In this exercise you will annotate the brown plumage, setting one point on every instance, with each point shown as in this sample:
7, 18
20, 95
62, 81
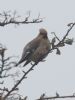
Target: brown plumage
37, 49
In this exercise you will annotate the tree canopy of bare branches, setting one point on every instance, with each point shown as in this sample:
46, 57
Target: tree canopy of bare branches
6, 64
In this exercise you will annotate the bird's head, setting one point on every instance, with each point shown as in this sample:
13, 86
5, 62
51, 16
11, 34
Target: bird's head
43, 32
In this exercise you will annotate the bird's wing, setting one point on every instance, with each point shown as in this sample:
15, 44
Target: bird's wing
42, 51
29, 49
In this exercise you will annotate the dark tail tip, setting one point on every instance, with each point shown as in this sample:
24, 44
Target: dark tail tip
16, 64
27, 62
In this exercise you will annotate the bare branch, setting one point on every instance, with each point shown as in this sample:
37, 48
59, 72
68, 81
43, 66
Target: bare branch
22, 78
55, 36
8, 18
70, 28
5, 63
63, 41
56, 97
4, 89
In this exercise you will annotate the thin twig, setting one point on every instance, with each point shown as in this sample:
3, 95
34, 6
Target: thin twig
23, 77
57, 97
73, 24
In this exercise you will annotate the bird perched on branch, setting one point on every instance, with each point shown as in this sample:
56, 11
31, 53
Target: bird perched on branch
37, 49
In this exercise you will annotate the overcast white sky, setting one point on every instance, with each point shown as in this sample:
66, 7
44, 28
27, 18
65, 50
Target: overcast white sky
58, 72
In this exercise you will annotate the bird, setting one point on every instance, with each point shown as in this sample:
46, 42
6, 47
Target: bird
37, 49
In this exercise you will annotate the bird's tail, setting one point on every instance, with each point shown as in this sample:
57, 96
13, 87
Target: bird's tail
27, 62
16, 64
19, 62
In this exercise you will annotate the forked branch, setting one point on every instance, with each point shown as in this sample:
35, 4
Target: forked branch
60, 43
